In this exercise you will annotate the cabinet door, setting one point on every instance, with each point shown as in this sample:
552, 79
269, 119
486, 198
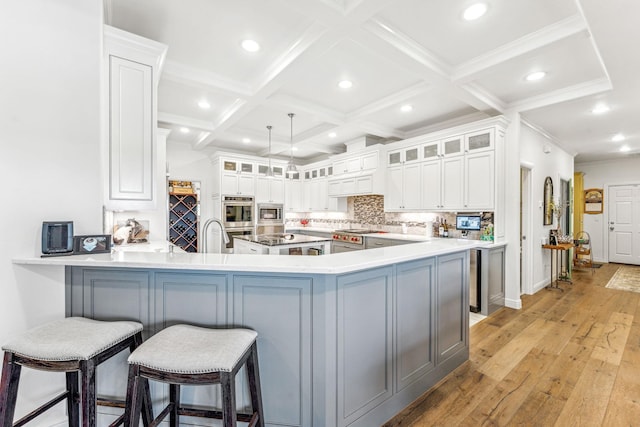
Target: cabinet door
354, 164
431, 150
131, 154
365, 366
414, 292
293, 195
313, 190
277, 190
394, 158
479, 141
452, 305
262, 193
246, 185
335, 188
348, 186
340, 167
411, 184
480, 180
364, 185
453, 182
323, 195
453, 146
279, 308
229, 183
412, 154
393, 197
369, 161
431, 184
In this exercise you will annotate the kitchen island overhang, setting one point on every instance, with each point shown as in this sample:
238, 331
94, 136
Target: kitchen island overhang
344, 339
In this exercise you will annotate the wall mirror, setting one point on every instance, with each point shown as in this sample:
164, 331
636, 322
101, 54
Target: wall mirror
547, 218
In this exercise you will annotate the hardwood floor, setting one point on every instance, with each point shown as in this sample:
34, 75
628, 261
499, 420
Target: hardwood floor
567, 358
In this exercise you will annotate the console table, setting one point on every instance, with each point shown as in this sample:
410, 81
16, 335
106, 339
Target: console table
558, 249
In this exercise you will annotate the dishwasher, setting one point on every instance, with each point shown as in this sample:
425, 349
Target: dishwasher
474, 280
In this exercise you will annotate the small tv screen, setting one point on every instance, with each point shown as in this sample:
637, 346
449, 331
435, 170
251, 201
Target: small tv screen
468, 222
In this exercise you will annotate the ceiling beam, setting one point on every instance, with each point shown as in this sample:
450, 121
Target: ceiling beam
568, 93
545, 36
189, 122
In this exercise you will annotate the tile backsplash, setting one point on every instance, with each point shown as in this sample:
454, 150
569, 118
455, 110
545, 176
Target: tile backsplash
368, 212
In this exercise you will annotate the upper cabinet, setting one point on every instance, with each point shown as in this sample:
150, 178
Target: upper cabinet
237, 177
454, 172
132, 66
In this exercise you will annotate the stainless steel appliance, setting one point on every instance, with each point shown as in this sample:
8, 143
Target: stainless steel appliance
270, 218
238, 211
234, 232
349, 240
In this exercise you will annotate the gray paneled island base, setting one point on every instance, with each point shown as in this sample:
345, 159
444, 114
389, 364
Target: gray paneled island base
348, 345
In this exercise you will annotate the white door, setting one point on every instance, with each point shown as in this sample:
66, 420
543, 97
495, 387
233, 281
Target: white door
624, 224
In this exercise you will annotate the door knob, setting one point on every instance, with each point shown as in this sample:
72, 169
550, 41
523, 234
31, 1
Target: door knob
610, 228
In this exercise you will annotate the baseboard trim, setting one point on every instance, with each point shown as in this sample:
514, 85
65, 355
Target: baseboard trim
513, 303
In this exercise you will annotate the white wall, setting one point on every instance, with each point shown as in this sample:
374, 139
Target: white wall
50, 130
557, 164
599, 175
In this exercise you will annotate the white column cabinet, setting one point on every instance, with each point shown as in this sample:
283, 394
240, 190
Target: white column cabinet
237, 178
293, 195
431, 185
132, 68
403, 180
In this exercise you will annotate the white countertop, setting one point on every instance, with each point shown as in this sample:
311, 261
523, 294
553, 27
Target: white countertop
324, 264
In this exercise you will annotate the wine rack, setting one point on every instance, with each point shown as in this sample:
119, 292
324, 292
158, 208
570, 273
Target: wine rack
183, 221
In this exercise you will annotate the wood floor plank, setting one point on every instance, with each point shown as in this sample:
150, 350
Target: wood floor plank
612, 343
515, 350
589, 399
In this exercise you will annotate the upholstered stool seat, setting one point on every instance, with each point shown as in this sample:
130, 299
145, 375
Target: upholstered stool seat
189, 355
70, 345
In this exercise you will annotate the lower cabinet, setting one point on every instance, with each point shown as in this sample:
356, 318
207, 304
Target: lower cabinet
492, 270
452, 305
334, 350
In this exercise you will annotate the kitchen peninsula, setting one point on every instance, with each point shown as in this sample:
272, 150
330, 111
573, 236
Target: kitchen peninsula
345, 339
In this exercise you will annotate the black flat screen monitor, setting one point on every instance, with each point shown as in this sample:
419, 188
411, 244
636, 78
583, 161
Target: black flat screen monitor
468, 222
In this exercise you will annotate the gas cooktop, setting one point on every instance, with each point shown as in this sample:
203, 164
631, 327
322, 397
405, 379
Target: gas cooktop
356, 231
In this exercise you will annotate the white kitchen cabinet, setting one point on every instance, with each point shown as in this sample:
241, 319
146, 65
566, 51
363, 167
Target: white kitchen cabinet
293, 201
482, 140
453, 182
403, 188
479, 181
132, 68
237, 178
431, 185
363, 162
269, 190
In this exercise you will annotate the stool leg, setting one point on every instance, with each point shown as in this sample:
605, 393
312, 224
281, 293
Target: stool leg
254, 384
147, 409
73, 409
134, 402
228, 385
174, 400
88, 394
8, 389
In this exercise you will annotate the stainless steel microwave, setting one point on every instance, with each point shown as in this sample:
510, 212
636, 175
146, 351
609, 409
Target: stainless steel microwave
270, 213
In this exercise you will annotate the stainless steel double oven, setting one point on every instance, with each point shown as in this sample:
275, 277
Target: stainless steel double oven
238, 216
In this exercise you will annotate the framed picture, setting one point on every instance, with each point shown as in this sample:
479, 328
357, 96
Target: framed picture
593, 200
547, 215
92, 244
553, 237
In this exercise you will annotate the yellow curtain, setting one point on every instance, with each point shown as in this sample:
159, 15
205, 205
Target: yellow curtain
578, 202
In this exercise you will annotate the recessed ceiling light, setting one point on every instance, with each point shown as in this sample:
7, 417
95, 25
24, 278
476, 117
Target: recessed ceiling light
332, 135
204, 105
475, 11
345, 84
537, 75
294, 149
600, 108
246, 140
406, 108
625, 148
618, 137
184, 130
250, 45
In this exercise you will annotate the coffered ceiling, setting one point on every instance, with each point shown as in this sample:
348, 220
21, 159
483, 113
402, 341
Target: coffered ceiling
420, 53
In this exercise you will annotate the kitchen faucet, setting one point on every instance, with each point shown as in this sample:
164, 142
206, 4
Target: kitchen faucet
205, 228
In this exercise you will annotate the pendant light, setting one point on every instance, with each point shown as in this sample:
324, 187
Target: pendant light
291, 167
270, 170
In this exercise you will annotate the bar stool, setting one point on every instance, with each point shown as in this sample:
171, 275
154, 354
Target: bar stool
191, 355
72, 345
